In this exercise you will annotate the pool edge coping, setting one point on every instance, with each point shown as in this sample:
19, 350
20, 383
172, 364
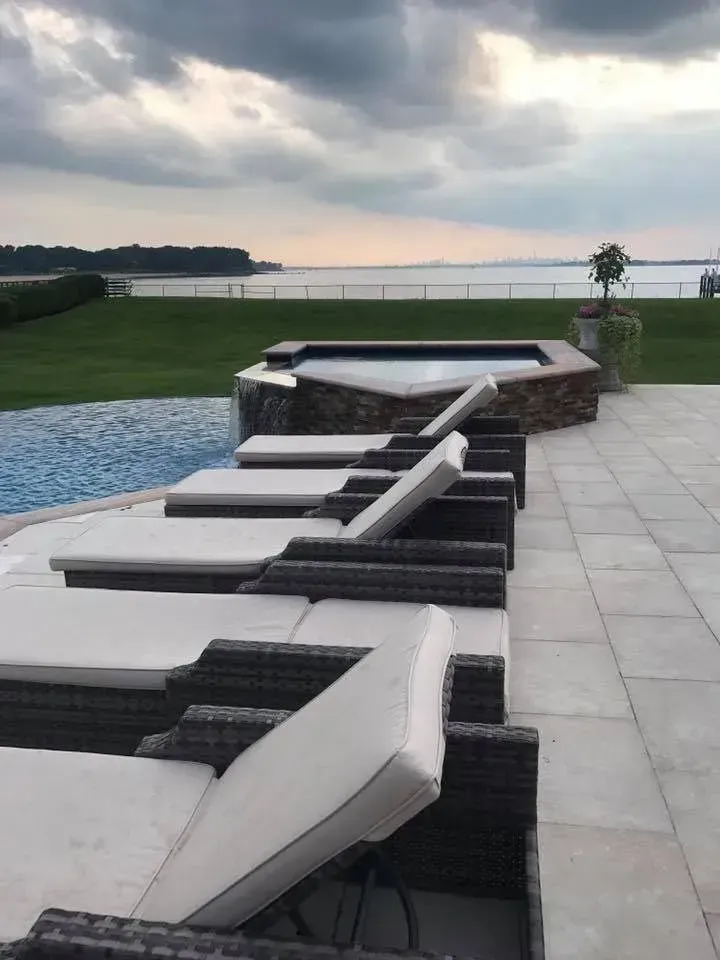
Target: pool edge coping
16, 521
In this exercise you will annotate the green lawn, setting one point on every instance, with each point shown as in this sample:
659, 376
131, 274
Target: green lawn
130, 348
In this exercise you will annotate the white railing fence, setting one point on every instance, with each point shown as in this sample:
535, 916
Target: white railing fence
400, 291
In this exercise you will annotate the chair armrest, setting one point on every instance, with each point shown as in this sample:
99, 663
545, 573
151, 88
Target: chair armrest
469, 519
490, 777
62, 935
284, 677
212, 735
399, 582
472, 424
414, 552
397, 460
465, 487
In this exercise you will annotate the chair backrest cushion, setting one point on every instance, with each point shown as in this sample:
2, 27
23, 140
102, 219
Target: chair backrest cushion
480, 394
429, 478
353, 765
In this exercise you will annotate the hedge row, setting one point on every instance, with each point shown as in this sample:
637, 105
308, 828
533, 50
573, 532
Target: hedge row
30, 301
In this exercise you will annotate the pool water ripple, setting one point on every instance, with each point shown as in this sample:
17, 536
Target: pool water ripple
56, 455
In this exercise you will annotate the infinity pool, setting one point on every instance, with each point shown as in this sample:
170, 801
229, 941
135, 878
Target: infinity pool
56, 455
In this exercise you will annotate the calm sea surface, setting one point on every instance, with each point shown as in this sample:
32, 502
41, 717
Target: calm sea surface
430, 282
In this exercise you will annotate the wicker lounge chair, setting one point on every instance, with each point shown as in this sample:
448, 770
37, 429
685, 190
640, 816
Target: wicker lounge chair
340, 449
97, 835
290, 493
215, 555
98, 670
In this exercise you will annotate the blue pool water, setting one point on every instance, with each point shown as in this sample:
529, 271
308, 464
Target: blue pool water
409, 368
56, 455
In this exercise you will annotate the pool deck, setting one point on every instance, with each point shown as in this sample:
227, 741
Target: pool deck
615, 616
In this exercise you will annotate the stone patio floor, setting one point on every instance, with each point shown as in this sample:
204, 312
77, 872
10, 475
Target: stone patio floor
615, 618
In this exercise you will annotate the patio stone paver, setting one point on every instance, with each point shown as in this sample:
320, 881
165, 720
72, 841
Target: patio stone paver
608, 551
548, 505
694, 804
581, 473
707, 493
619, 520
664, 648
618, 895
680, 722
596, 773
548, 568
663, 482
592, 494
658, 507
541, 481
546, 613
699, 573
691, 536
652, 593
647, 464
543, 533
566, 679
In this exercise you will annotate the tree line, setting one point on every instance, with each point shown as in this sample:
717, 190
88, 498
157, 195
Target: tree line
36, 259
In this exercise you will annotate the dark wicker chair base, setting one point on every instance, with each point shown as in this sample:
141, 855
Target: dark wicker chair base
46, 716
53, 716
154, 582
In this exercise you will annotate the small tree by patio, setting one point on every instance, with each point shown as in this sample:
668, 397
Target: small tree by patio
607, 331
608, 266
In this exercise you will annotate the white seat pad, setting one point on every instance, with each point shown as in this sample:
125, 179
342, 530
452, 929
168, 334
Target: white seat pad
127, 639
361, 623
292, 488
186, 544
322, 446
79, 831
354, 764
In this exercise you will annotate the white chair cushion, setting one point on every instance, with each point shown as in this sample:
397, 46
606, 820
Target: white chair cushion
480, 394
482, 631
186, 544
354, 764
127, 639
81, 831
429, 478
291, 488
274, 448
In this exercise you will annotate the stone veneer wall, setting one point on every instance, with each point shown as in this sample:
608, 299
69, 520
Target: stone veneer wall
547, 402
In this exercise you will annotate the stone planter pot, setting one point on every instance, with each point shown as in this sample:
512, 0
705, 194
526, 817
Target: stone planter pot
610, 380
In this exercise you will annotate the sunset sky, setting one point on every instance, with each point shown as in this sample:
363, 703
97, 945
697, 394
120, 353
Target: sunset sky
362, 131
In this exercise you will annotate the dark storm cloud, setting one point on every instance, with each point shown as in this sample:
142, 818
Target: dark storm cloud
29, 95
358, 49
331, 47
395, 97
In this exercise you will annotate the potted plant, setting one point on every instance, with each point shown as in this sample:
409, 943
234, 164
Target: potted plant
607, 331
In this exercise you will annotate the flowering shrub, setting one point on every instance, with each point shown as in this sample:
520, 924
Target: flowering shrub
619, 333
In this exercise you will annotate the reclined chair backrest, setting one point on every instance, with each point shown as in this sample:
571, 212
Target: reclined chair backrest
349, 768
429, 478
480, 394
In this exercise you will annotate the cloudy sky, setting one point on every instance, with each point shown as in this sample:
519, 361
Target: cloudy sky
362, 131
